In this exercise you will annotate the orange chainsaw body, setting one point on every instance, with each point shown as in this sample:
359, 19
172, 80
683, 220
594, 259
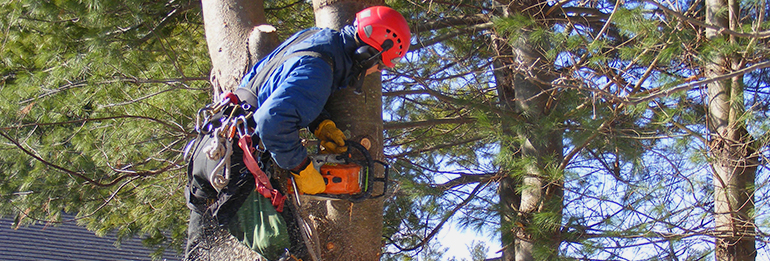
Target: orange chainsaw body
341, 178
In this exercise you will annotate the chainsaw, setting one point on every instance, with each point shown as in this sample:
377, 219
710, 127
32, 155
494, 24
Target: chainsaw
347, 178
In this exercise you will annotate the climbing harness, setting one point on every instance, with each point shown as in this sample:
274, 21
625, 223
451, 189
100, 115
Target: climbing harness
224, 123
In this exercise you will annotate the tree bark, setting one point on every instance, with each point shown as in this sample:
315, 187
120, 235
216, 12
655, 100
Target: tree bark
352, 231
539, 193
733, 162
237, 36
522, 196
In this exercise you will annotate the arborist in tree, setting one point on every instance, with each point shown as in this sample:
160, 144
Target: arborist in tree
283, 93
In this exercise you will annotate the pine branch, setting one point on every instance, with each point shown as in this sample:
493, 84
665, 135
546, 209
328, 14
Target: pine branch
138, 99
570, 155
81, 175
690, 85
471, 29
443, 221
78, 84
760, 35
465, 179
451, 22
428, 123
166, 19
168, 125
451, 100
442, 146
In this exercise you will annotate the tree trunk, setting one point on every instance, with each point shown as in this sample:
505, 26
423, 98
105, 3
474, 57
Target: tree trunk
539, 194
237, 37
350, 231
733, 162
523, 196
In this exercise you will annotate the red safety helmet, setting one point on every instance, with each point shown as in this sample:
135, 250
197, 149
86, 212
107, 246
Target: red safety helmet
378, 24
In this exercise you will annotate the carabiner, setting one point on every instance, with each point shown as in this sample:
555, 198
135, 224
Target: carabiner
243, 130
222, 130
198, 118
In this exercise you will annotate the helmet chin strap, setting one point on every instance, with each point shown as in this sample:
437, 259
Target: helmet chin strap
362, 65
358, 80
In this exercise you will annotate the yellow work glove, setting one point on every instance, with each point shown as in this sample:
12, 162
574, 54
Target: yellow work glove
309, 181
332, 139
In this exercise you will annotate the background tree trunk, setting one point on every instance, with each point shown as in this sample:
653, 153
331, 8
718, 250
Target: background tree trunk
533, 191
733, 160
539, 192
352, 231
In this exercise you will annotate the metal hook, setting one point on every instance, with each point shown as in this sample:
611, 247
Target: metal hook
198, 118
221, 131
243, 130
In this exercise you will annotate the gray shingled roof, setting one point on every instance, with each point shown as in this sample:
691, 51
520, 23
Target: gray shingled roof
68, 241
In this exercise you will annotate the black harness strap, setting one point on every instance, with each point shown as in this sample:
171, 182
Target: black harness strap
249, 94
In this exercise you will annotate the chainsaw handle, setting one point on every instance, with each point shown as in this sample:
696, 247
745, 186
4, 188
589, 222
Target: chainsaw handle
385, 179
370, 174
367, 192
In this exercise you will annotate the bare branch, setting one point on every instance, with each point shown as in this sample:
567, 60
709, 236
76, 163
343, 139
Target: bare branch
170, 126
432, 122
442, 146
446, 217
760, 35
450, 22
422, 44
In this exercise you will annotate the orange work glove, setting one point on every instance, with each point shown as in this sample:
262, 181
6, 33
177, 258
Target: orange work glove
308, 180
332, 139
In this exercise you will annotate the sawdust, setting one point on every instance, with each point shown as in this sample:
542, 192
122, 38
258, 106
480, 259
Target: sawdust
220, 245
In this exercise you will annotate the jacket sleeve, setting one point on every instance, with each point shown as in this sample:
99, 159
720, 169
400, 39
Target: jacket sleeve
297, 98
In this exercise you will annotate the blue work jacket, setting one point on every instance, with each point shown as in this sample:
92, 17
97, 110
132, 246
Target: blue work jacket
295, 93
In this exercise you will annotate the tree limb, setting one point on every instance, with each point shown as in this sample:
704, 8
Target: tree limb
452, 100
682, 87
82, 175
442, 146
78, 84
450, 22
422, 44
465, 179
432, 122
760, 35
446, 217
170, 126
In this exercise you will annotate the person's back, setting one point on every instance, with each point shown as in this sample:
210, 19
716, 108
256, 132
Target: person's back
295, 91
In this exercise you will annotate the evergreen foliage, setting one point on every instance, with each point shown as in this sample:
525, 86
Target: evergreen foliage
635, 170
99, 99
93, 122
